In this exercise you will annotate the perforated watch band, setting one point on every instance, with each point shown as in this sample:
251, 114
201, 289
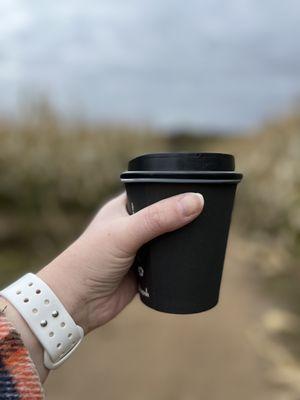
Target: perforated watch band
47, 318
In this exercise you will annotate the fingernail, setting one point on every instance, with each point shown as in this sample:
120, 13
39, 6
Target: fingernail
191, 203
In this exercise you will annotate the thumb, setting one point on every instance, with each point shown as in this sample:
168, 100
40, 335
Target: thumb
161, 217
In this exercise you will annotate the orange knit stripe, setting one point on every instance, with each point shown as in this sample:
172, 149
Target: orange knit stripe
18, 362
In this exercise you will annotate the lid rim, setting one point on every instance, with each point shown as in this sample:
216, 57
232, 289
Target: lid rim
180, 153
185, 161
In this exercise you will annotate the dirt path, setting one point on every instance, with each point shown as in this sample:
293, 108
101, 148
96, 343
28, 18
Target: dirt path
146, 355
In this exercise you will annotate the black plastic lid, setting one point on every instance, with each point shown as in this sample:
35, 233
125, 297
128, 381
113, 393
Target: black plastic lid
182, 162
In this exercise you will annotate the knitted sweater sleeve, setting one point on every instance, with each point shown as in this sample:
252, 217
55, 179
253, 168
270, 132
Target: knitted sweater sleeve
19, 378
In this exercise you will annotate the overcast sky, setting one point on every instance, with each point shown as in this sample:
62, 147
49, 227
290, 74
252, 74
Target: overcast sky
213, 64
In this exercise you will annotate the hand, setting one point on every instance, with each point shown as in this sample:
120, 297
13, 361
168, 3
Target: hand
92, 277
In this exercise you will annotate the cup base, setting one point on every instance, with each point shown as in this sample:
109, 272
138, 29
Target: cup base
178, 310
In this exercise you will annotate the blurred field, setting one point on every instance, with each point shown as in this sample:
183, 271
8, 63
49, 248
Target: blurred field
54, 175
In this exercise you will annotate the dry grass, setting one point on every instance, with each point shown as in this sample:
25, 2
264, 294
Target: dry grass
53, 175
268, 214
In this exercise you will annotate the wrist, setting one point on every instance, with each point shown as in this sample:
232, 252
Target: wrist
89, 312
46, 316
63, 287
67, 276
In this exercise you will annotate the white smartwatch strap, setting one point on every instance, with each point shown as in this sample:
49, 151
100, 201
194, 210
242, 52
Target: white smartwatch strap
47, 318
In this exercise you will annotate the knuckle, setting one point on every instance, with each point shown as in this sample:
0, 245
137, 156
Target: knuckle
154, 219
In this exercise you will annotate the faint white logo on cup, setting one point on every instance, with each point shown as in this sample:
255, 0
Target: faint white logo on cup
132, 207
144, 292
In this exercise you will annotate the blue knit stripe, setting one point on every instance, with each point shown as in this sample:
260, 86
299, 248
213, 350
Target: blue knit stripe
8, 390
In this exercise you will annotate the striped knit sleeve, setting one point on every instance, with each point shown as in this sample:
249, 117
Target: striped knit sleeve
19, 378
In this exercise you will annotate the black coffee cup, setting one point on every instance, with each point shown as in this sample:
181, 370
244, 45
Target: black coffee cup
180, 272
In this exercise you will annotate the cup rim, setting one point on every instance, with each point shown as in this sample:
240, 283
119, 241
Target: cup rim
170, 180
182, 172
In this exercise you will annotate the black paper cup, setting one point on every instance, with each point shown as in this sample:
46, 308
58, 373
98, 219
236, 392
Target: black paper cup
180, 272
